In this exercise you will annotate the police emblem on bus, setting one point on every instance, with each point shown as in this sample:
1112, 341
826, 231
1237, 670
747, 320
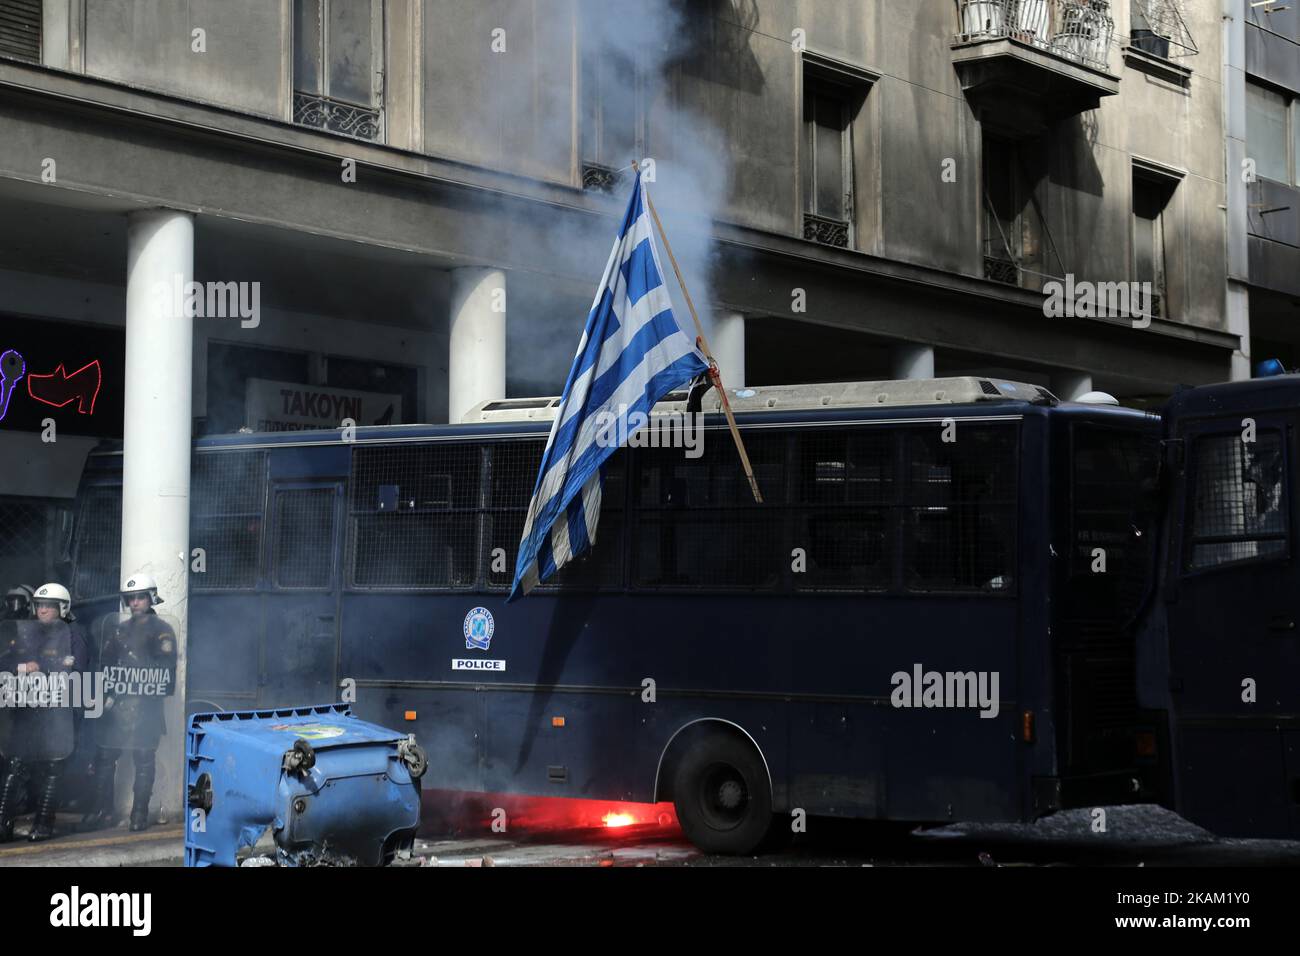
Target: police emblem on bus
478, 629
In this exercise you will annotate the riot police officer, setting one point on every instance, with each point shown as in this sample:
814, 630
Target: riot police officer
18, 604
139, 661
40, 735
17, 607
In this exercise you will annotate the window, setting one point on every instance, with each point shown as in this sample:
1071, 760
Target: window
1014, 231
304, 538
338, 65
960, 509
613, 123
227, 495
1267, 139
847, 495
1239, 500
98, 560
1112, 507
1151, 195
697, 524
20, 30
827, 165
512, 473
415, 516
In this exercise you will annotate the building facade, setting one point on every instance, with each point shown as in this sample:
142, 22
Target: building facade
240, 213
1262, 92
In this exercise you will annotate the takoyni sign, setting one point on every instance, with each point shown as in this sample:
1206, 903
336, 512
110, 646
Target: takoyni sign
286, 406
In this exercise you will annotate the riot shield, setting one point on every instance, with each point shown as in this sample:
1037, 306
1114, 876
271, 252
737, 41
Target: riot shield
36, 716
138, 661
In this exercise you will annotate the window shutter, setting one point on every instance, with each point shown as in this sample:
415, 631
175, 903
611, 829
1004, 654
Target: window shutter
20, 29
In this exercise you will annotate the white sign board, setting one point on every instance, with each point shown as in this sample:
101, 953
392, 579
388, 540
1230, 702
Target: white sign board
289, 407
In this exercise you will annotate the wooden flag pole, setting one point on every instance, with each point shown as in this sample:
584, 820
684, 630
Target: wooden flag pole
715, 376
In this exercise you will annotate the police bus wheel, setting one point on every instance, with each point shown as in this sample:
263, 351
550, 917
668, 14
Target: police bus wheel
722, 795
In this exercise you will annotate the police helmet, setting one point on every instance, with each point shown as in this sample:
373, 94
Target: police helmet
18, 601
141, 583
52, 593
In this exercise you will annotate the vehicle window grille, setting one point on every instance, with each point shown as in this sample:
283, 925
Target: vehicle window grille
1238, 508
304, 538
227, 497
960, 523
846, 497
697, 524
414, 516
1113, 519
98, 560
512, 471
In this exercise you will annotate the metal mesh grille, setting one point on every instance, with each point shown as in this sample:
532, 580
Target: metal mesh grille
24, 541
848, 536
1110, 469
304, 538
698, 524
227, 497
98, 561
512, 473
960, 531
414, 516
1238, 510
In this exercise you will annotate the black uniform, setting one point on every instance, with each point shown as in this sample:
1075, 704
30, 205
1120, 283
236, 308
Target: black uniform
41, 734
138, 659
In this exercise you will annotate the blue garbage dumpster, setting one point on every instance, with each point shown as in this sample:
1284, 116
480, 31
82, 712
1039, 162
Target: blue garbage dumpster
334, 789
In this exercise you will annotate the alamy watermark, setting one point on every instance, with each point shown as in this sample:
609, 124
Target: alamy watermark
946, 689
636, 429
210, 300
1099, 300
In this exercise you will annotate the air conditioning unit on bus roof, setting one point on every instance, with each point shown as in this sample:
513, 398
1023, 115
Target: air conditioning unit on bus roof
904, 392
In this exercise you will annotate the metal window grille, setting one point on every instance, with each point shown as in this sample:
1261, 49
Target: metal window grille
415, 516
227, 499
697, 525
960, 509
25, 533
20, 29
846, 490
1238, 511
97, 568
304, 538
1110, 469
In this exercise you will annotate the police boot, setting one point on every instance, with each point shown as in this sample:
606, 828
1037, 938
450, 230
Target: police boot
43, 824
144, 771
101, 815
9, 793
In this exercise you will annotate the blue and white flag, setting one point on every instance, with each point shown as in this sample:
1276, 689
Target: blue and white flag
632, 354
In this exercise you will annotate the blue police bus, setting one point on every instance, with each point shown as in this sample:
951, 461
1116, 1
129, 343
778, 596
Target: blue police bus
936, 614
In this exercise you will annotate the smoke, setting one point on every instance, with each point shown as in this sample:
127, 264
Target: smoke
632, 56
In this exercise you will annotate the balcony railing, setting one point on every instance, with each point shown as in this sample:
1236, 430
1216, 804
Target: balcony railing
1076, 30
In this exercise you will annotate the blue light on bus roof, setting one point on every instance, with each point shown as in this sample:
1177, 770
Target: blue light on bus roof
1269, 367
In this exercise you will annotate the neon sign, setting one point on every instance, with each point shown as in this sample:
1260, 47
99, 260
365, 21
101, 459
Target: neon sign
12, 368
57, 389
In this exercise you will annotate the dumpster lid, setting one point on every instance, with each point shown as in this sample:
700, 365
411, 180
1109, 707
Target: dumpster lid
330, 725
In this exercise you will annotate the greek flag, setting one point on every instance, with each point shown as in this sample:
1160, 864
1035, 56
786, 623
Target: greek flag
632, 354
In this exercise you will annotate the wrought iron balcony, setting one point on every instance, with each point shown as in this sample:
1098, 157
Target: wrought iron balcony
1050, 55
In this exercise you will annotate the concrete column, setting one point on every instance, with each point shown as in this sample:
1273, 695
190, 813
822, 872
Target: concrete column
476, 365
156, 449
1069, 385
728, 343
912, 361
